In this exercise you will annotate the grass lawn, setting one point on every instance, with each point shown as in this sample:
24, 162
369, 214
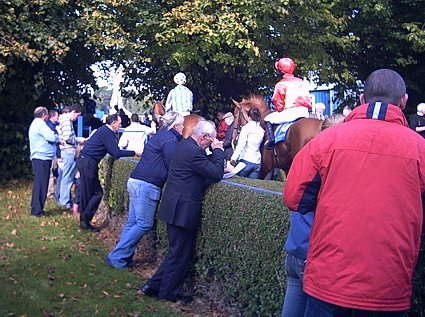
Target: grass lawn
48, 267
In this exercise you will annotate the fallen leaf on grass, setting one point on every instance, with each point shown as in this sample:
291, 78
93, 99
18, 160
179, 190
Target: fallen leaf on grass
13, 280
51, 280
76, 298
105, 294
14, 232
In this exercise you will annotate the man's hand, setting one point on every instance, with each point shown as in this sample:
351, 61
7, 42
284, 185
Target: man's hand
138, 153
233, 163
216, 144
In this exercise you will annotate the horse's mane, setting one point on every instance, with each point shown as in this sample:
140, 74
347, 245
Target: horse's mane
255, 100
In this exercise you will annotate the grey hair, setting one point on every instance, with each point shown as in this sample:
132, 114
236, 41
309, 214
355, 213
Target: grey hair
204, 127
40, 111
171, 119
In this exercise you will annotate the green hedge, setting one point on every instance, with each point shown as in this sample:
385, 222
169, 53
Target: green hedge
240, 245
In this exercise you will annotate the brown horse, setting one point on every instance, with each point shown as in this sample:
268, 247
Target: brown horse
157, 111
190, 121
283, 153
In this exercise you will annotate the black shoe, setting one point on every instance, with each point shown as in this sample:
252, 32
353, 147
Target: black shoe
87, 226
39, 215
149, 291
132, 264
185, 299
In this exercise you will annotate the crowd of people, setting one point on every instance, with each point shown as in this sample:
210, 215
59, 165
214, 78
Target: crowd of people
354, 191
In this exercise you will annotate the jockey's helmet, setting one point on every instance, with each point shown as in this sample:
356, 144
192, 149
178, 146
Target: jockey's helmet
180, 78
285, 65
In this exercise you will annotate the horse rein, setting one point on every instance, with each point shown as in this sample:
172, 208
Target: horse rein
238, 127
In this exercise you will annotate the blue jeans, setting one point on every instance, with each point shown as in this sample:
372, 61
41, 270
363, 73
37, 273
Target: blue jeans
68, 176
251, 170
58, 184
295, 299
144, 198
318, 308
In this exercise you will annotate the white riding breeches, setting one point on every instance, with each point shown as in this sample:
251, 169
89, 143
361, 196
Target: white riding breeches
287, 115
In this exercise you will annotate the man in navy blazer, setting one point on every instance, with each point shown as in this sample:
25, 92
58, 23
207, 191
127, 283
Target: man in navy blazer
191, 172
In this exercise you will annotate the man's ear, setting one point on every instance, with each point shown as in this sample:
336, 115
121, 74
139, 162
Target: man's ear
362, 99
403, 101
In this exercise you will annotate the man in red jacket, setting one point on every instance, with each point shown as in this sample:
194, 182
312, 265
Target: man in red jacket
364, 179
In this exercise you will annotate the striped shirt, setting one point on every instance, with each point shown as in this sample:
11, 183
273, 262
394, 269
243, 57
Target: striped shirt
67, 133
180, 99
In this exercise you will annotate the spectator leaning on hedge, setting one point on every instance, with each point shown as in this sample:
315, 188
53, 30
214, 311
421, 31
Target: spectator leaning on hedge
103, 141
43, 143
191, 171
144, 188
364, 179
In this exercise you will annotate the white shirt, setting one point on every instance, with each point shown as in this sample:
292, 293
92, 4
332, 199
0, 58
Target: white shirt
135, 136
250, 139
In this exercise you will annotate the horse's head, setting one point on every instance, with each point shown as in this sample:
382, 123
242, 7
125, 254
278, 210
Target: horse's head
158, 110
242, 108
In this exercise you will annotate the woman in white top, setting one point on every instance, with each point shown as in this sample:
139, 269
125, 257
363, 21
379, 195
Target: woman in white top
248, 148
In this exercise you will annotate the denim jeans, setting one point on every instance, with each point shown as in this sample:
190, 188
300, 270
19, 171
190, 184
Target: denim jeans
58, 184
295, 299
68, 176
251, 170
318, 308
144, 198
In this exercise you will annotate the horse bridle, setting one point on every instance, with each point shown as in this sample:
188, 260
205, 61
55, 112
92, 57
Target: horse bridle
238, 126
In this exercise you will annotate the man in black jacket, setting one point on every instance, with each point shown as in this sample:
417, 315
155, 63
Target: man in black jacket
102, 142
190, 173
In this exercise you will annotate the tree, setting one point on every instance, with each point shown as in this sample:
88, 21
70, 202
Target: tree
226, 48
46, 50
386, 34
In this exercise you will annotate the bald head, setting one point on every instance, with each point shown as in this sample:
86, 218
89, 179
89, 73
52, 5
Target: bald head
385, 85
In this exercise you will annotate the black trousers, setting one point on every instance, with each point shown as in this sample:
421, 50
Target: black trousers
41, 169
169, 278
91, 191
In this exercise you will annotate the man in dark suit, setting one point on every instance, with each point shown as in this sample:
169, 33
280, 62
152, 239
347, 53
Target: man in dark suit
190, 173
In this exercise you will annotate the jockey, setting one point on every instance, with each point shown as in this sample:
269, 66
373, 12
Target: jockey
180, 98
291, 99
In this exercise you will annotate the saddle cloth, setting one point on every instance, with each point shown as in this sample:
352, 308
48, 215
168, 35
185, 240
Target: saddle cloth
281, 130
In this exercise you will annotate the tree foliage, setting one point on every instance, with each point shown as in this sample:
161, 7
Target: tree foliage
226, 48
